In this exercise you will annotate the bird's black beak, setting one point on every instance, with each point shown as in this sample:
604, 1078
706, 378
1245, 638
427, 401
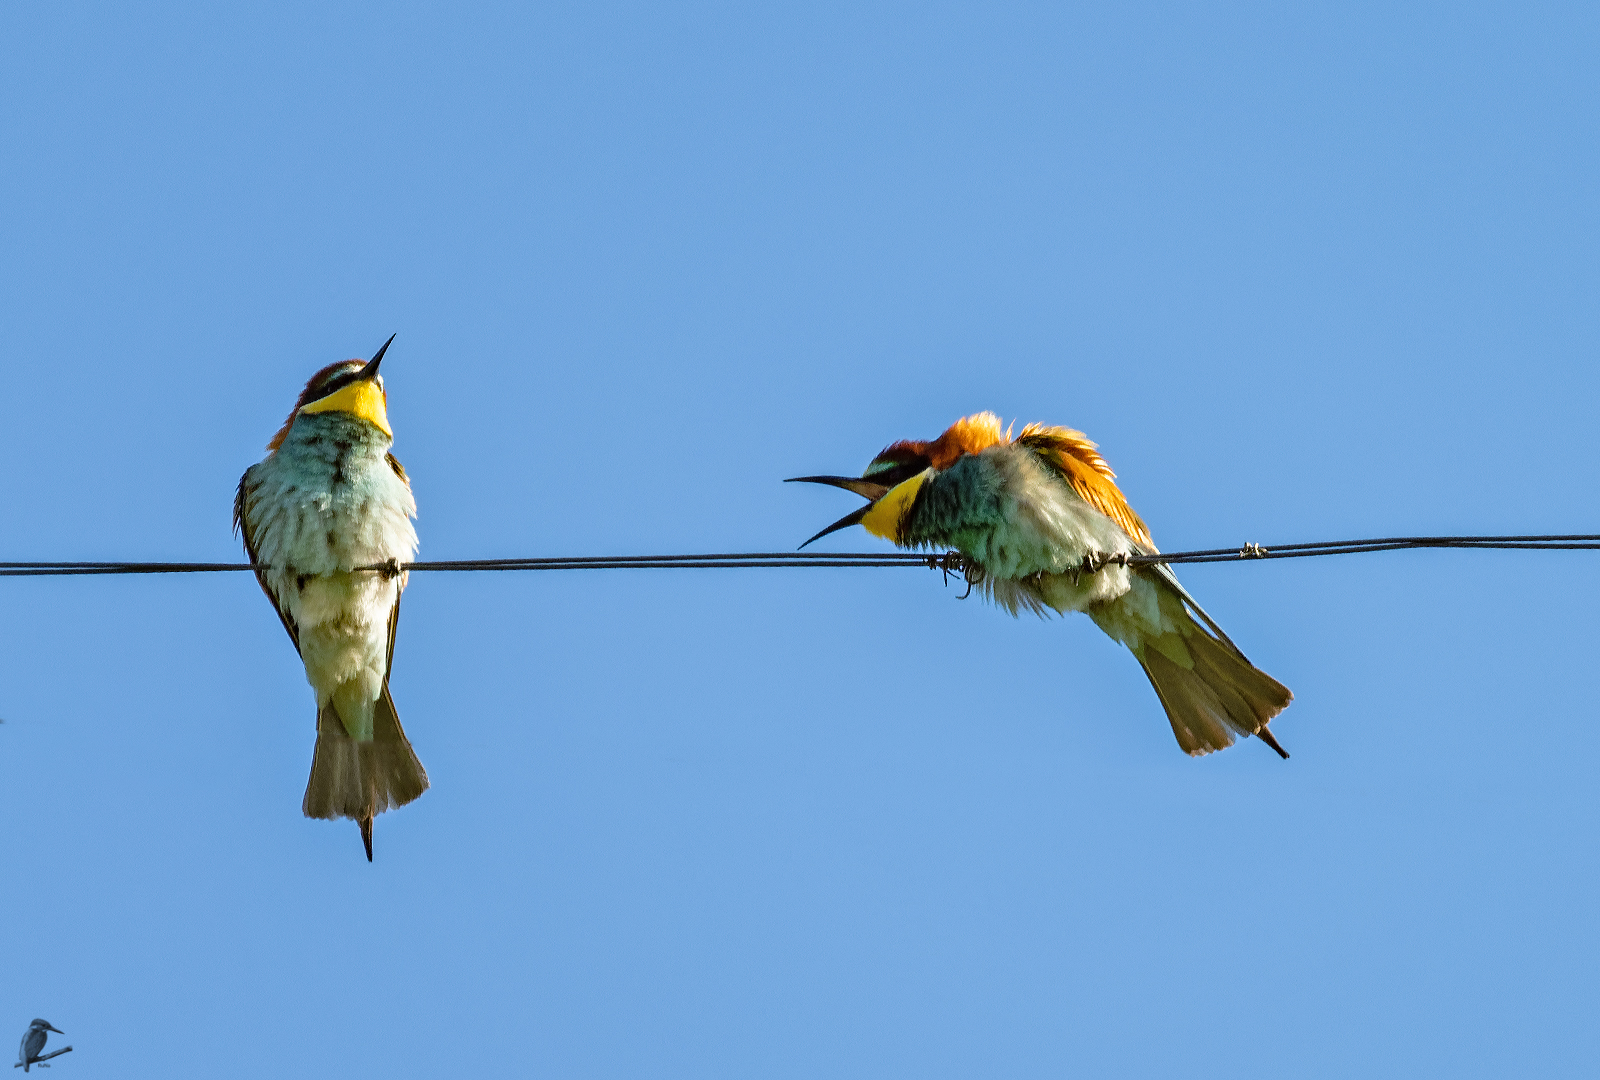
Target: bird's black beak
371, 370
865, 488
55, 1029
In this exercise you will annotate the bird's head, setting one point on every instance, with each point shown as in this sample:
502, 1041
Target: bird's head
892, 480
350, 386
45, 1025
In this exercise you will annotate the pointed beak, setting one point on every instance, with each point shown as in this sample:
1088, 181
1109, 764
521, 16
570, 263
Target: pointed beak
55, 1029
843, 523
371, 370
865, 488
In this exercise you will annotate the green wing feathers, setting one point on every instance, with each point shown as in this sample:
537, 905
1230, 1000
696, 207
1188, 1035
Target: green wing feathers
1212, 694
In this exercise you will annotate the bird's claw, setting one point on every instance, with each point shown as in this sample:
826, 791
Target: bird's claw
1096, 561
949, 563
953, 562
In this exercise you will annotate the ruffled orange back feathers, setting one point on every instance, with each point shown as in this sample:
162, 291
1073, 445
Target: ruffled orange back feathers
1070, 453
1075, 457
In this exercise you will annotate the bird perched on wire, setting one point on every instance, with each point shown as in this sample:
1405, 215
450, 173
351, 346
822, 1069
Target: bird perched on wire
328, 501
33, 1041
1040, 525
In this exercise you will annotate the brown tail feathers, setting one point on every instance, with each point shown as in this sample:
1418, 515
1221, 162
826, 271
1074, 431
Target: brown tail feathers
1217, 694
360, 780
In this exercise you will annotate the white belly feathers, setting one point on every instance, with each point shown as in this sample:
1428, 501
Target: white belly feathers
325, 503
1032, 553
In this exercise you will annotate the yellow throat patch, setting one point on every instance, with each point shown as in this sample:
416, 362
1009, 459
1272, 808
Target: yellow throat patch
362, 398
885, 516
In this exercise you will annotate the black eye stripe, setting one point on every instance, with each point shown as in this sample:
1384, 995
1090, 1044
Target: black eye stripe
890, 473
332, 386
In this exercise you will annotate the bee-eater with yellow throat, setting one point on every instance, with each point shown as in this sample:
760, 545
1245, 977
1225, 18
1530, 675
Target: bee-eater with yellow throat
1035, 519
328, 500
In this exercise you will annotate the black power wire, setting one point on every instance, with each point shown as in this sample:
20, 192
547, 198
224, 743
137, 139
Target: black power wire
949, 562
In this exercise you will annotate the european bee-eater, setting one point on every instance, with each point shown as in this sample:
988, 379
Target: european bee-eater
327, 500
1035, 519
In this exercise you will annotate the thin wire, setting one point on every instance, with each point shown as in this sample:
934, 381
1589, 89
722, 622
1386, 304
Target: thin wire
602, 562
1570, 542
948, 562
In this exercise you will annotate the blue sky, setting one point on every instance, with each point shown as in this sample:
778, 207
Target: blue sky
1304, 274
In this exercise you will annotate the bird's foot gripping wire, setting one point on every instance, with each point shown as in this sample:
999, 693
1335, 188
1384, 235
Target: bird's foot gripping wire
389, 570
1095, 561
1253, 551
953, 562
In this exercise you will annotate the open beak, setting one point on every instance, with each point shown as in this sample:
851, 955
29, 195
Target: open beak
371, 370
865, 488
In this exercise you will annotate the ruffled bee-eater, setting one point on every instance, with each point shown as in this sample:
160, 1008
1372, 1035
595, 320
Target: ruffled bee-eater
328, 501
1039, 522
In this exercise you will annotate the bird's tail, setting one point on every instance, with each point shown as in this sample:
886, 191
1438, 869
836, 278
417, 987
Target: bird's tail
1210, 691
361, 779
